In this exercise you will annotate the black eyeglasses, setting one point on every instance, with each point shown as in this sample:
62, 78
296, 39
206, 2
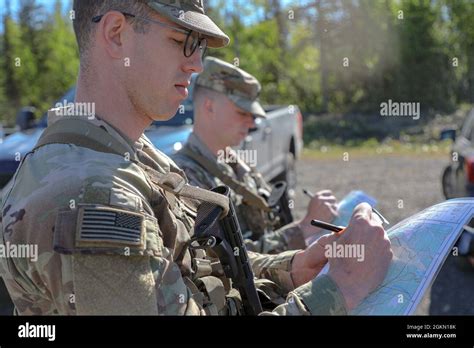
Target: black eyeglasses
192, 42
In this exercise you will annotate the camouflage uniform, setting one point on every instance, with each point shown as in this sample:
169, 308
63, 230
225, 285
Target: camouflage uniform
289, 237
113, 229
243, 89
45, 204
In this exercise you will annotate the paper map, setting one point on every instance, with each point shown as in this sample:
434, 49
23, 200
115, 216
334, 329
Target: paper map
420, 246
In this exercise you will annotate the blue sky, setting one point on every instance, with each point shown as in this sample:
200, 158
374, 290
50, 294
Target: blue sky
67, 4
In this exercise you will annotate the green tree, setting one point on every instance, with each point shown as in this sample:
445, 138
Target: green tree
39, 58
19, 67
461, 13
425, 72
58, 57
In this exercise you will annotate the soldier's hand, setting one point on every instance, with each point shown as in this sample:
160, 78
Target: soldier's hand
323, 206
357, 275
309, 262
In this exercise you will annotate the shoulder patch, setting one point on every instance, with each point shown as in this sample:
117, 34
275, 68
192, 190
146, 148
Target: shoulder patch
103, 229
106, 226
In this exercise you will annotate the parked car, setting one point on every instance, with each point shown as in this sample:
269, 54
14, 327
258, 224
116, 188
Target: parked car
458, 176
458, 181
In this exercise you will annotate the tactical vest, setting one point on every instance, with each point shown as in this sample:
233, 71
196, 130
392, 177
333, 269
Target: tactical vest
254, 212
175, 199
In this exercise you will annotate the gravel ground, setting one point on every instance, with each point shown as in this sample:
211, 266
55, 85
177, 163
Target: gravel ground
415, 181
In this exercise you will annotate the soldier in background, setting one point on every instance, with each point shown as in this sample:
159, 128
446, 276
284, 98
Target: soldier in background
112, 217
225, 107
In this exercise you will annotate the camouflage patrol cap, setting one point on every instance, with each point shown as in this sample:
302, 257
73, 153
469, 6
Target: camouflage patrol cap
190, 14
239, 86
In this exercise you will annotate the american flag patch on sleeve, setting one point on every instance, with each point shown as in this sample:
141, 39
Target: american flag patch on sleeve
99, 225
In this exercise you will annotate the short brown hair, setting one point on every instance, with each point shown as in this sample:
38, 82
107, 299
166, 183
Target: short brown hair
85, 10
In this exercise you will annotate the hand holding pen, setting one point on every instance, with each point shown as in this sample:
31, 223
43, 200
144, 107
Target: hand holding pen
334, 228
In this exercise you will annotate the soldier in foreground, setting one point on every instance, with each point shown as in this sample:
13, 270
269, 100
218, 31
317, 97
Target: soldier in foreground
225, 106
112, 216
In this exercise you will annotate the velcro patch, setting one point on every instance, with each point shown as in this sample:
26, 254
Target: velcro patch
105, 226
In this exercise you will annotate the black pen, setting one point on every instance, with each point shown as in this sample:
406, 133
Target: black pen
326, 226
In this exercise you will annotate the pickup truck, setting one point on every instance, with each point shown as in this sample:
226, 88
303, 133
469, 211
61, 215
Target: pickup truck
278, 140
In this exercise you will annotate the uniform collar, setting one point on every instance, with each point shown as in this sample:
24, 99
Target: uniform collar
196, 144
142, 144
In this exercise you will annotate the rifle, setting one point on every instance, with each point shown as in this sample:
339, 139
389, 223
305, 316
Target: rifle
223, 235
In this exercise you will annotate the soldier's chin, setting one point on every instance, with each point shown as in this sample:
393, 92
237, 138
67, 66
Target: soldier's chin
164, 117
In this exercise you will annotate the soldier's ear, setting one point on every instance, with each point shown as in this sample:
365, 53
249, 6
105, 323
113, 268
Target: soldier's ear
111, 32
